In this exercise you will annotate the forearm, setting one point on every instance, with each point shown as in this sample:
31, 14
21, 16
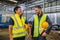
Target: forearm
29, 28
10, 31
50, 25
48, 29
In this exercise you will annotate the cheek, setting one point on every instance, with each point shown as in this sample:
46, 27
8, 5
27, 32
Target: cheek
19, 11
35, 11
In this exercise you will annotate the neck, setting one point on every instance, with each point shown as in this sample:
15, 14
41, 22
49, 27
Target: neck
39, 14
18, 13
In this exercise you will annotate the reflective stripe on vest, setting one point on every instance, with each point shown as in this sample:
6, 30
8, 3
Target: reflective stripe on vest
37, 25
18, 27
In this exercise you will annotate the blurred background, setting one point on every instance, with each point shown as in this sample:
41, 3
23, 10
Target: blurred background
50, 7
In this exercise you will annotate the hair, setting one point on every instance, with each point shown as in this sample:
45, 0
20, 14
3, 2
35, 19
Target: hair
38, 7
16, 8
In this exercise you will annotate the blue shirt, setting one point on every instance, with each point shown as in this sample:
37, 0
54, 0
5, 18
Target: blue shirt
11, 21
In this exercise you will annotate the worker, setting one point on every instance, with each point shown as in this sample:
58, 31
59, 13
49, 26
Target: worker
17, 22
37, 31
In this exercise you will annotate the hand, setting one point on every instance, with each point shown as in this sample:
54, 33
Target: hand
29, 35
29, 25
11, 38
44, 34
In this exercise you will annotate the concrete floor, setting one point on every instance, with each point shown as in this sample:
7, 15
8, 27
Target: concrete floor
52, 36
4, 34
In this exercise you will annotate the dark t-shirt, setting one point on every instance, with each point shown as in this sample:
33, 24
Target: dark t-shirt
11, 21
31, 21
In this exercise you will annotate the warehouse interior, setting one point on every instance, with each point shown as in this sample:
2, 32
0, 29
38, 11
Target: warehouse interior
50, 7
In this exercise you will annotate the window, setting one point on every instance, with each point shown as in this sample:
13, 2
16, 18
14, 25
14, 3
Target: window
50, 4
54, 3
52, 17
45, 0
58, 2
41, 6
46, 5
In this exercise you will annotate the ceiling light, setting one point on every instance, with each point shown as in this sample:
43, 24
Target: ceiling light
14, 1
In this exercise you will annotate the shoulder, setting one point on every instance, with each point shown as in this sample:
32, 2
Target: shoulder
12, 16
34, 15
10, 19
32, 18
24, 17
45, 14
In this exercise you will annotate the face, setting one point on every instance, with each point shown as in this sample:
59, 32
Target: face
19, 11
37, 10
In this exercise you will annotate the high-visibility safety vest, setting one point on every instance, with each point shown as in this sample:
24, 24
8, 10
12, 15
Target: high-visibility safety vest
37, 25
18, 29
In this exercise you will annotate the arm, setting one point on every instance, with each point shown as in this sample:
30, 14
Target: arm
11, 23
49, 28
27, 26
10, 32
29, 29
30, 23
50, 25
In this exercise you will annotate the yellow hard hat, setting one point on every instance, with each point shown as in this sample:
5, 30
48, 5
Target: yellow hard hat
26, 26
45, 24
